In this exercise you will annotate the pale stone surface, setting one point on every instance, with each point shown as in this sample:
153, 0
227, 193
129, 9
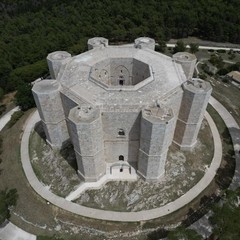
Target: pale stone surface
121, 103
188, 61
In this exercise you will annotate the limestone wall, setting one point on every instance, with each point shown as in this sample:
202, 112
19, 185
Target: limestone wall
56, 60
47, 98
193, 105
157, 127
85, 127
121, 133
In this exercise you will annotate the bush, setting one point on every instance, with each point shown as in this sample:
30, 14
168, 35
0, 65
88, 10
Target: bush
7, 199
221, 51
24, 98
14, 118
202, 76
2, 109
27, 73
1, 93
48, 238
223, 71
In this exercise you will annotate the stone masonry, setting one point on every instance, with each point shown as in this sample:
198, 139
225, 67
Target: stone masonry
121, 106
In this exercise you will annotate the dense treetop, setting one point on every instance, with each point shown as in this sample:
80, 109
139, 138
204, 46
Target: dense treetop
30, 29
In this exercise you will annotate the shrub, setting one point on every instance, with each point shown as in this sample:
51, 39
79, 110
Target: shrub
2, 109
14, 118
7, 199
202, 76
1, 93
221, 51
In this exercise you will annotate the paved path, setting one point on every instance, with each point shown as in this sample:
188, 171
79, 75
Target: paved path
5, 118
112, 215
207, 47
12, 232
234, 131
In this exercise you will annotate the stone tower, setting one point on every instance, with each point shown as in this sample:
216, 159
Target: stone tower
188, 62
194, 102
47, 98
85, 128
157, 128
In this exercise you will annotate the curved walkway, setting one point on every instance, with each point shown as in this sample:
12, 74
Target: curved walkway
203, 226
6, 117
234, 131
12, 232
112, 215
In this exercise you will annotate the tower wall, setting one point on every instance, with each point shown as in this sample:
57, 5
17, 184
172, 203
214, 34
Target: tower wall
97, 42
85, 127
144, 42
47, 98
194, 103
157, 128
188, 62
55, 60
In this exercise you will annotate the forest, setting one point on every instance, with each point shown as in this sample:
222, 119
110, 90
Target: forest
30, 29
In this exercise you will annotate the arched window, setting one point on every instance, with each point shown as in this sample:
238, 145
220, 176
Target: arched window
121, 82
121, 132
121, 158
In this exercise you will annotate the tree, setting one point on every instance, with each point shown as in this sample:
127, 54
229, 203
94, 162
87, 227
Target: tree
161, 46
193, 47
226, 216
179, 47
7, 200
1, 93
24, 98
183, 234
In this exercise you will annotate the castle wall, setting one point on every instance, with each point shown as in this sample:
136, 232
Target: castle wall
121, 69
116, 145
140, 72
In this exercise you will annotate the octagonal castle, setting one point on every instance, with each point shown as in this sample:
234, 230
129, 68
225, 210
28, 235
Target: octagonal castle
121, 106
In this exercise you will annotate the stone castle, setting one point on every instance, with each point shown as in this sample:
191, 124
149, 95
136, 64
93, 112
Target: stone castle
121, 106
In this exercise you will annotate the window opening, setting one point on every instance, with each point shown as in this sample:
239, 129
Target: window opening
121, 158
121, 132
121, 82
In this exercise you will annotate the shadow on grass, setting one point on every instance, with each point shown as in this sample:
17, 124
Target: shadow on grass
67, 152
